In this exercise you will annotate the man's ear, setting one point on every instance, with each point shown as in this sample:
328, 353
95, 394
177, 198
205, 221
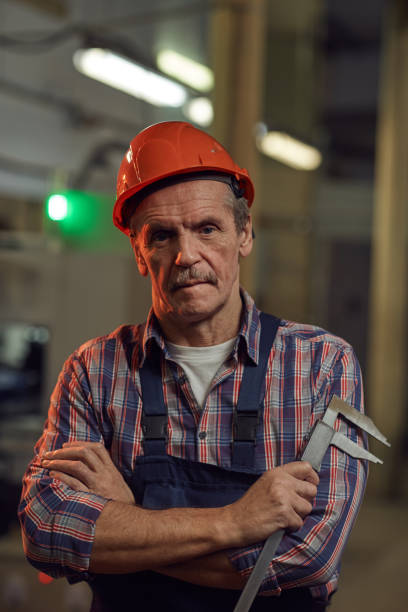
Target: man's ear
246, 239
141, 264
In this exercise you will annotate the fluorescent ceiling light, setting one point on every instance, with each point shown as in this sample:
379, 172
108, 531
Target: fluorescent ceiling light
124, 74
185, 70
200, 111
288, 150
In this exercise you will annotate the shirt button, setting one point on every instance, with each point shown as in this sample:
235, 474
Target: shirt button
202, 435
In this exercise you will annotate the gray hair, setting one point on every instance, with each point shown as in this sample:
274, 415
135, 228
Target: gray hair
240, 210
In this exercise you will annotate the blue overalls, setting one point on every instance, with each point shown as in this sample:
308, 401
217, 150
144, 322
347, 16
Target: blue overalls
160, 481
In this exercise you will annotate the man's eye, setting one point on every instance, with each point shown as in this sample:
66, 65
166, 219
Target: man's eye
159, 236
207, 229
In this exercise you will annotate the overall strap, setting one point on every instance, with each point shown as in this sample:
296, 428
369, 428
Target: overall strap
154, 414
250, 398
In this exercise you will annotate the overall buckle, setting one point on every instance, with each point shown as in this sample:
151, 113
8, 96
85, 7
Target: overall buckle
245, 426
154, 426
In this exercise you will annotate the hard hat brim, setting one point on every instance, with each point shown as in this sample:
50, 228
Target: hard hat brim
242, 178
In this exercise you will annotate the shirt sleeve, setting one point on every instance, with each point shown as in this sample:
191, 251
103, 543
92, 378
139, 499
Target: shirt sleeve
310, 557
57, 522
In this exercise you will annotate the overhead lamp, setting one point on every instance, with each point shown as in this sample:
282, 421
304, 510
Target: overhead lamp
199, 111
186, 70
287, 149
126, 75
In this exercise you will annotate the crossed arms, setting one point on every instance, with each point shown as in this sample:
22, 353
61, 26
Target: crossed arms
186, 543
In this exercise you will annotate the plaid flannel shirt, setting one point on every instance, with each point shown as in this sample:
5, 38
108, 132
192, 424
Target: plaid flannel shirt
98, 398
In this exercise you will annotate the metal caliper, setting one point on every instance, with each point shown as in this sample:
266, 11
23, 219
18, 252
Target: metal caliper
323, 435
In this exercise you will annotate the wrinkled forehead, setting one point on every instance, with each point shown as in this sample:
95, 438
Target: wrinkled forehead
189, 196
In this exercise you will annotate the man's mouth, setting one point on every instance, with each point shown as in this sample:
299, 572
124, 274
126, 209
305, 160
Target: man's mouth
188, 284
190, 278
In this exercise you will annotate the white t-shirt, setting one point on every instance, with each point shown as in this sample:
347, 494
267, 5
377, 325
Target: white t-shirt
200, 363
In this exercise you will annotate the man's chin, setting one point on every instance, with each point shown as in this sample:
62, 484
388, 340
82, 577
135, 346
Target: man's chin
194, 305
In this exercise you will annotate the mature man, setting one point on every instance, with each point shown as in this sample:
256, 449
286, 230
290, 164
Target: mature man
170, 451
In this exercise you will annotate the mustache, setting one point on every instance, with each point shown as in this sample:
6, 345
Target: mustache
184, 277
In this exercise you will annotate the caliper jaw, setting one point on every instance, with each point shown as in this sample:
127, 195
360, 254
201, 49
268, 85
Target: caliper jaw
323, 436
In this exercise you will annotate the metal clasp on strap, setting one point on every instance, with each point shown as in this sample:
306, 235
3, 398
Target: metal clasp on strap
245, 426
154, 426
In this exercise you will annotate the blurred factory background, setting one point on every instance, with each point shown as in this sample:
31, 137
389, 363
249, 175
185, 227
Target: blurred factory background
312, 98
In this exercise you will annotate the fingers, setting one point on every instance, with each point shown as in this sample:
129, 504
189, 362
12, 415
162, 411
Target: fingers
296, 497
75, 469
73, 483
86, 452
305, 489
302, 507
302, 470
88, 466
281, 498
77, 461
97, 448
312, 476
298, 477
304, 481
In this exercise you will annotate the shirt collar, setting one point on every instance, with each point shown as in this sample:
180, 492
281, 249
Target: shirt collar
152, 335
248, 335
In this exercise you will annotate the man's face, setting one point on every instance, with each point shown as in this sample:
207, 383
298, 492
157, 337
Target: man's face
185, 239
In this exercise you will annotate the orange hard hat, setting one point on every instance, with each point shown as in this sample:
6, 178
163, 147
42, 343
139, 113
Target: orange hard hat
169, 149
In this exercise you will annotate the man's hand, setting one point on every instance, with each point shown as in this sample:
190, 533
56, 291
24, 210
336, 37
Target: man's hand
280, 499
87, 466
147, 539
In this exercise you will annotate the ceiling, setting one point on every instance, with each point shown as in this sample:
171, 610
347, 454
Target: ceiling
58, 127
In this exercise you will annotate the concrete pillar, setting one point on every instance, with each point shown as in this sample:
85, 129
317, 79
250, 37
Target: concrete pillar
387, 354
237, 43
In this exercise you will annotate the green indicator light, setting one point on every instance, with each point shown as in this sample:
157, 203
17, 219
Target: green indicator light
57, 207
82, 220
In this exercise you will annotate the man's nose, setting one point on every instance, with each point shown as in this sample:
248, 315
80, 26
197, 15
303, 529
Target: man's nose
187, 251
